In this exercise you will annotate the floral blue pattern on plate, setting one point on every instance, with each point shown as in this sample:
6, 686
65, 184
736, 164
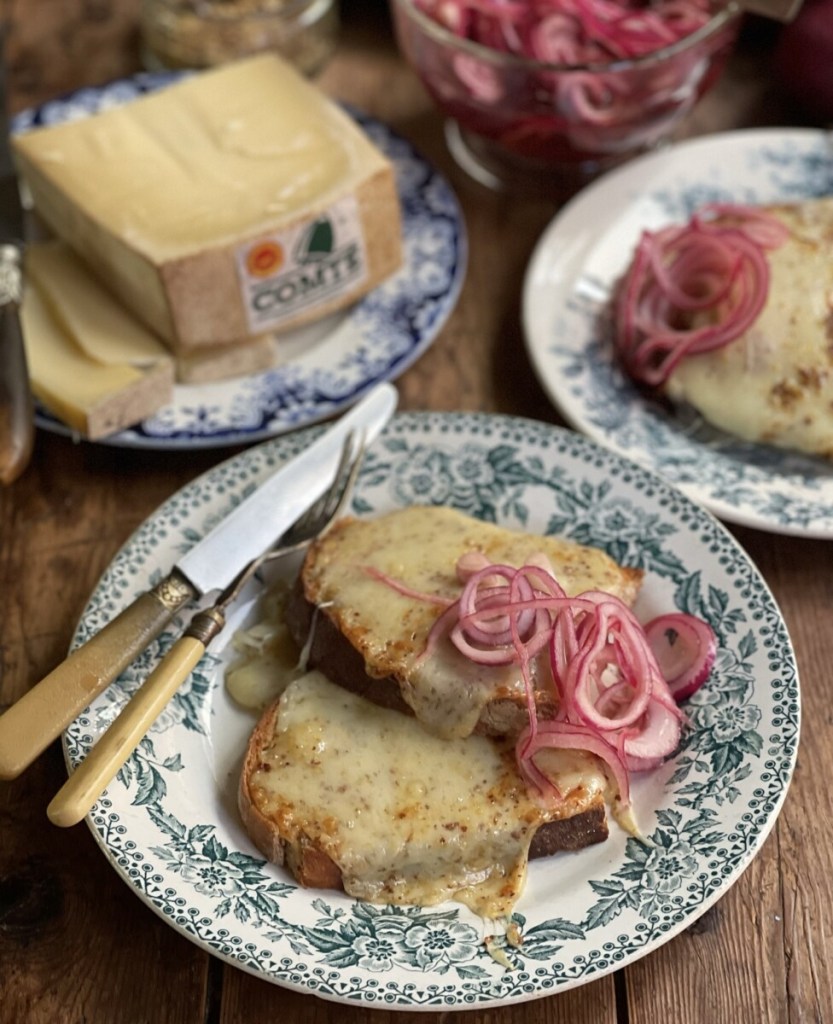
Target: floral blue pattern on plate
327, 366
169, 822
567, 287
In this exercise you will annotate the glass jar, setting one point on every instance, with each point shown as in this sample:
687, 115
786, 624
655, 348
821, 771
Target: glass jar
201, 33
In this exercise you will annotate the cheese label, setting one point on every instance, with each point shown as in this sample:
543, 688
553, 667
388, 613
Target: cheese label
305, 266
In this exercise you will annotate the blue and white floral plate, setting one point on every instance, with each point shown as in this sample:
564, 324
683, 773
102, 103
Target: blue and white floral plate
567, 288
328, 365
169, 823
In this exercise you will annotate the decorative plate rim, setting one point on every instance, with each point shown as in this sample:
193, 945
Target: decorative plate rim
408, 310
592, 489
567, 282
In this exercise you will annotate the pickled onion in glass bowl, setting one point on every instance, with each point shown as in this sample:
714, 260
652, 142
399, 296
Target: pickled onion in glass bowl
555, 91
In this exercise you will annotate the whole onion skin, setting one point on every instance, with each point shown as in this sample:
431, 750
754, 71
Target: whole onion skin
803, 57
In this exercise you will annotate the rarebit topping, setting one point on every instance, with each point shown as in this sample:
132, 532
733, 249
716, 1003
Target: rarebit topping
417, 807
345, 572
407, 817
731, 313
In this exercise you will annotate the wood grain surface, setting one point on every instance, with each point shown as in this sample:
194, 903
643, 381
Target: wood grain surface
75, 944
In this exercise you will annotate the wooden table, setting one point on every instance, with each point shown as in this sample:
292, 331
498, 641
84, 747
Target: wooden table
75, 944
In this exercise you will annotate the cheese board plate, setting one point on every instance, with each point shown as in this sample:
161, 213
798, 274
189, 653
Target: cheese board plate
327, 366
169, 823
565, 310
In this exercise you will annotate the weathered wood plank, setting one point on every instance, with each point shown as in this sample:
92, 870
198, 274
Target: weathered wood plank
245, 997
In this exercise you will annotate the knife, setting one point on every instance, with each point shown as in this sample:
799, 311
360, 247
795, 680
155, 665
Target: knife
17, 425
40, 715
121, 737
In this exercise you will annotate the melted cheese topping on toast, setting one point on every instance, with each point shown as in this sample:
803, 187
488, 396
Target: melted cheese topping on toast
420, 547
775, 383
406, 816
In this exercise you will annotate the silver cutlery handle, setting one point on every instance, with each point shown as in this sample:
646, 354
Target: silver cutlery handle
17, 428
41, 715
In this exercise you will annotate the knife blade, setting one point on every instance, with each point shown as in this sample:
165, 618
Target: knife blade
41, 714
17, 425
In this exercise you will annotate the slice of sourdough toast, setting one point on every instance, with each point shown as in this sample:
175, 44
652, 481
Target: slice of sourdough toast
365, 634
352, 796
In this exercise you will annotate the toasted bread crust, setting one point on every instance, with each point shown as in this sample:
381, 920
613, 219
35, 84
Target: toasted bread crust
331, 652
365, 649
314, 869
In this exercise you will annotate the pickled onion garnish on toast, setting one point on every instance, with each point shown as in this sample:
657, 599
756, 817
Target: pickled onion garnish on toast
617, 683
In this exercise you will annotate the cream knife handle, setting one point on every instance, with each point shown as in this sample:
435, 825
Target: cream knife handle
41, 715
17, 425
101, 765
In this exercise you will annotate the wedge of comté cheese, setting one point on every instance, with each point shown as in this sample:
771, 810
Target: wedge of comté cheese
90, 362
235, 202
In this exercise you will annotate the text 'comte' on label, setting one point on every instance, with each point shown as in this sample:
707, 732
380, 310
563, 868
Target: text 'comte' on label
305, 266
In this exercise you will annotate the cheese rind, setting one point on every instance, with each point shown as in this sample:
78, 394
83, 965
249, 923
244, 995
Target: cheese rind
109, 334
174, 197
223, 362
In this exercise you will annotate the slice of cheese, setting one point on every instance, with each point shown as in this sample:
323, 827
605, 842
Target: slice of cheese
94, 398
419, 547
99, 324
108, 333
408, 817
90, 362
235, 202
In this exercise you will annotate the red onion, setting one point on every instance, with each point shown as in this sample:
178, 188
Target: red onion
685, 649
566, 736
570, 31
694, 288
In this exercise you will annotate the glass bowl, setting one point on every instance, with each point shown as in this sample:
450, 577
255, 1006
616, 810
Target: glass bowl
201, 33
515, 121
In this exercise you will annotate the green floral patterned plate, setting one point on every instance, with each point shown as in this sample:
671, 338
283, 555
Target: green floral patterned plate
169, 824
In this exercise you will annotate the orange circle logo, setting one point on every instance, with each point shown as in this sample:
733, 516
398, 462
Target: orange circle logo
264, 259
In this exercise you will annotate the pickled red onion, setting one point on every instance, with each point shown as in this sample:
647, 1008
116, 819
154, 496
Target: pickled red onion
685, 650
694, 288
570, 32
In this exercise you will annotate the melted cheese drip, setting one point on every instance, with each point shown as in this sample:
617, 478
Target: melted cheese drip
420, 546
407, 817
220, 154
775, 383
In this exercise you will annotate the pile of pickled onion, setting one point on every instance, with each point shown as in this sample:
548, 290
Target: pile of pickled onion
694, 288
570, 32
617, 682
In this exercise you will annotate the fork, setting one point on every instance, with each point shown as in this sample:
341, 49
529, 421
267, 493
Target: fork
86, 784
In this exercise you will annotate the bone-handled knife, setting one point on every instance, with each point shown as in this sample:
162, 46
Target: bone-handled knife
17, 425
40, 715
